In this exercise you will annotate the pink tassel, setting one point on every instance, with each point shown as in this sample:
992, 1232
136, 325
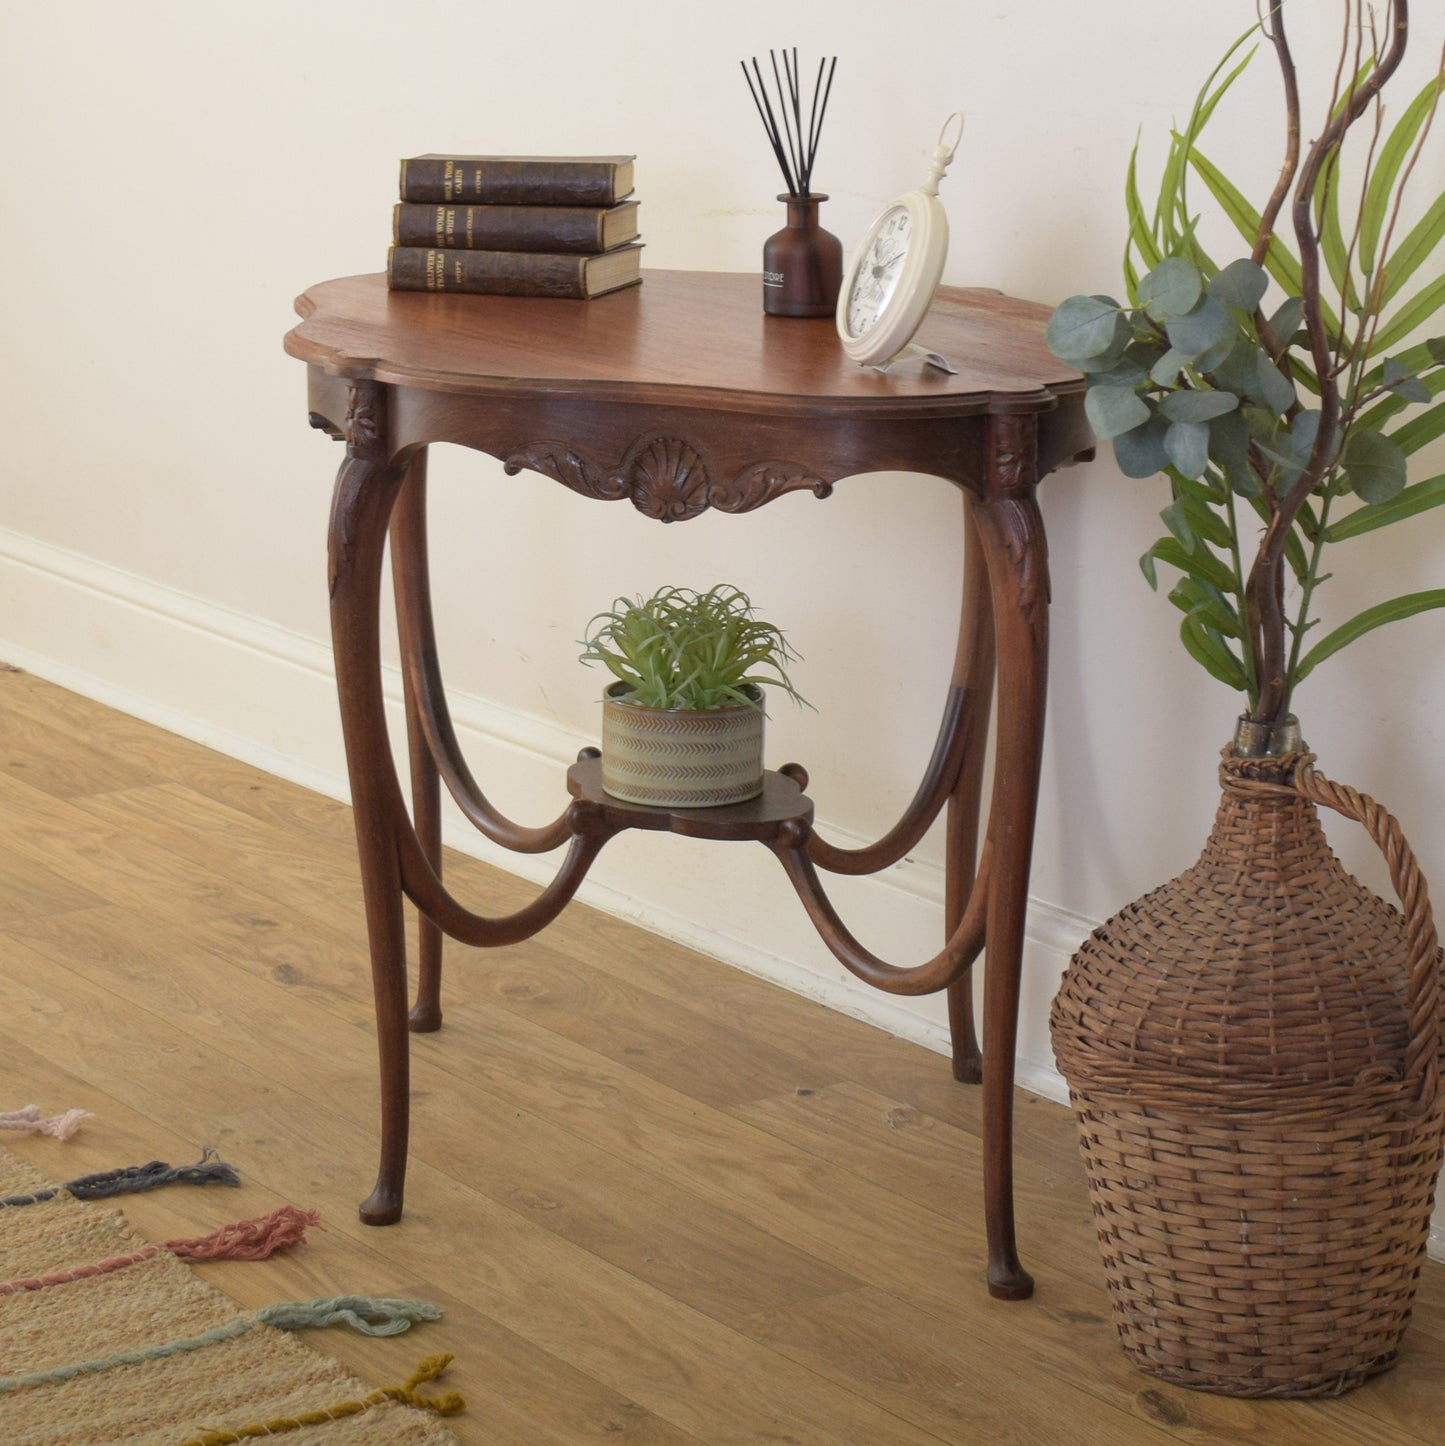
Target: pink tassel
255, 1239
62, 1127
81, 1272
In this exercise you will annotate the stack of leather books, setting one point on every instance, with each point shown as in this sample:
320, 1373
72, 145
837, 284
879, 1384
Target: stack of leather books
516, 226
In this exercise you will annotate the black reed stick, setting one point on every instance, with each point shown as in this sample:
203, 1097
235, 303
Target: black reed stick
795, 150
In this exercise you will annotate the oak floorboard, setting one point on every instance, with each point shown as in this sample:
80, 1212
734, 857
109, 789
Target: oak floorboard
40, 747
30, 889
111, 861
661, 1201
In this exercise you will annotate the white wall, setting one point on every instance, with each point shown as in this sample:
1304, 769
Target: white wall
177, 170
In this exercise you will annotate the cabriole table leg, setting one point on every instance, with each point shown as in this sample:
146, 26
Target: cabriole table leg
1012, 534
366, 488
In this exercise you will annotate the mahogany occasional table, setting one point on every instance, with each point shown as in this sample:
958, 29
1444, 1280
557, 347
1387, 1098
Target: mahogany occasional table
680, 395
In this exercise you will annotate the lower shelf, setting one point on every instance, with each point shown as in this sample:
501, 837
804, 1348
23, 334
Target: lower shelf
781, 803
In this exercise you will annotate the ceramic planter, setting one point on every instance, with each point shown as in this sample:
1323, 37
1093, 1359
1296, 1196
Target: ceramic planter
676, 758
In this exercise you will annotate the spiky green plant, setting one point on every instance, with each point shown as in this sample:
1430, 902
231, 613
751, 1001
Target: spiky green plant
1282, 393
692, 650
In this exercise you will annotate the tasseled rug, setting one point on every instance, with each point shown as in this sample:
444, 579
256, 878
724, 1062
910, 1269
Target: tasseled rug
105, 1338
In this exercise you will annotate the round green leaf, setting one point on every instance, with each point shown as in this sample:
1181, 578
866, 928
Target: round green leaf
1085, 327
1171, 289
1123, 373
1236, 372
1229, 439
1197, 406
1165, 371
1140, 453
1374, 465
1202, 330
1208, 360
1269, 385
1187, 446
1285, 322
1112, 410
1241, 284
1412, 389
1405, 382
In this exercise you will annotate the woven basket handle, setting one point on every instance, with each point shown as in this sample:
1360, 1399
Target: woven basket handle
1422, 1050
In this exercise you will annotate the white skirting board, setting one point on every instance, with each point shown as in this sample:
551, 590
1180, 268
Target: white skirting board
266, 695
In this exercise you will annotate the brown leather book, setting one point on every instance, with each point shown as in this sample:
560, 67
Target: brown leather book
517, 180
516, 228
512, 273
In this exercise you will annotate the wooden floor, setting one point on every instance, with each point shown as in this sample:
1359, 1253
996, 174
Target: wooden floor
659, 1200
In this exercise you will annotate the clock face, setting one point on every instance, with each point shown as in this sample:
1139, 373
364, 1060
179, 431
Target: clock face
892, 280
879, 269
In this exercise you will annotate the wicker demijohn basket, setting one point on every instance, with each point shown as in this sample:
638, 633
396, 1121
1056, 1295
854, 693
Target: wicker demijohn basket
1252, 1056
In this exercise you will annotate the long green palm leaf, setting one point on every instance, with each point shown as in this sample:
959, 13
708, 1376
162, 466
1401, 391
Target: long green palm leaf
1417, 247
1379, 194
1420, 497
1410, 317
1386, 612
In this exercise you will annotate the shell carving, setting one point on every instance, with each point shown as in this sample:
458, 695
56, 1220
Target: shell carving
667, 479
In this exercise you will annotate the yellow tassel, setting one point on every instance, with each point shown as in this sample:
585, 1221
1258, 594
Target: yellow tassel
447, 1404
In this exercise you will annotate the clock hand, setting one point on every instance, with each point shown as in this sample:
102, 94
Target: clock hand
880, 268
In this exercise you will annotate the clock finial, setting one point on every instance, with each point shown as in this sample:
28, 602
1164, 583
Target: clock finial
943, 154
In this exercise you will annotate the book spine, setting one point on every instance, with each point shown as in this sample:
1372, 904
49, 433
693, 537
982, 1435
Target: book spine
435, 179
485, 273
500, 228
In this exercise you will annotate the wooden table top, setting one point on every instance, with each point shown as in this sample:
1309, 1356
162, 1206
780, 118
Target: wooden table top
698, 339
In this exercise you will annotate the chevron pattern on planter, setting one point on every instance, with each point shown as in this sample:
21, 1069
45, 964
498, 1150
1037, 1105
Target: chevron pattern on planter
676, 759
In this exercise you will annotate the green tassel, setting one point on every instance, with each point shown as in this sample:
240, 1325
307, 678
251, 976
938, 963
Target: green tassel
371, 1315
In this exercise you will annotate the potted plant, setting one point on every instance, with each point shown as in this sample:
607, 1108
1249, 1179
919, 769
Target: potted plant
682, 727
1252, 1048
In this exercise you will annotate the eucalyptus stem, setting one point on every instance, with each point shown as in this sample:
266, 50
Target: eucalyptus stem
1246, 649
1350, 407
1307, 590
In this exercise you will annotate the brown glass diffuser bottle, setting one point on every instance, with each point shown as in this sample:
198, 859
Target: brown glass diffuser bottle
802, 263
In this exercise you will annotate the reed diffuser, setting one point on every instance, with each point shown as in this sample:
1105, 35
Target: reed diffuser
802, 263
